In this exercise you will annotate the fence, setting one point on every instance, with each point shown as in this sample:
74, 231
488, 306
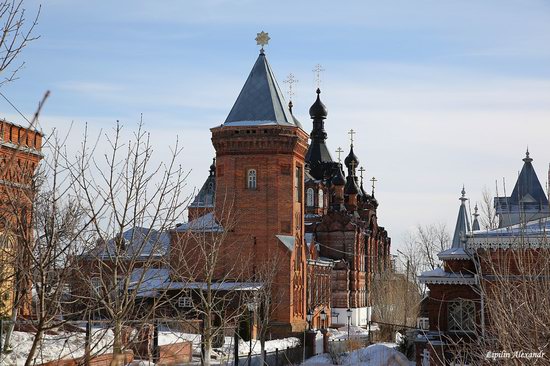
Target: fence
289, 356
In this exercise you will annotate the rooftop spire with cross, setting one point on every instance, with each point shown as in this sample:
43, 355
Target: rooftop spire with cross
351, 133
290, 80
318, 70
373, 180
340, 151
262, 39
361, 170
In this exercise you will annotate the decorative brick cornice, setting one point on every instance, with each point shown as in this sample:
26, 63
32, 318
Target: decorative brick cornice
241, 140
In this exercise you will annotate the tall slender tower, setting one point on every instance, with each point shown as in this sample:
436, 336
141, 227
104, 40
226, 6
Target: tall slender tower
260, 151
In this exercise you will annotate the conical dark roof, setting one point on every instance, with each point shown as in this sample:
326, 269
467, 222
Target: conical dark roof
462, 223
528, 188
261, 101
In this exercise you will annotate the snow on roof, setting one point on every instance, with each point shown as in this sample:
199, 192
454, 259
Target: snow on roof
149, 281
439, 276
137, 242
205, 223
454, 253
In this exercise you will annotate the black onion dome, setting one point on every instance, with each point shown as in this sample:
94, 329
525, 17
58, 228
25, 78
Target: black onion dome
351, 158
339, 179
318, 110
351, 186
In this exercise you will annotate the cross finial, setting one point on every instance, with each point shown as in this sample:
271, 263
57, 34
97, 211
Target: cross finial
353, 165
318, 70
373, 180
361, 170
339, 151
262, 39
290, 80
351, 133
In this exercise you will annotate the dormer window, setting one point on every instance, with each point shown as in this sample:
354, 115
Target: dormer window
310, 197
251, 179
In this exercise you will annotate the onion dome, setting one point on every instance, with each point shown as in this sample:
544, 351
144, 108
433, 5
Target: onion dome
318, 110
213, 168
351, 186
339, 179
351, 158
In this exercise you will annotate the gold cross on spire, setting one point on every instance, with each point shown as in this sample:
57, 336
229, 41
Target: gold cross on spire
361, 170
262, 39
373, 180
351, 133
290, 80
339, 151
353, 165
318, 70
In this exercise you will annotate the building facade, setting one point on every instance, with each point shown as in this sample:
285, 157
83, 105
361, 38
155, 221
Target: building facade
20, 153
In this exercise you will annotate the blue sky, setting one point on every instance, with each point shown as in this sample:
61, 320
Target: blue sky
440, 93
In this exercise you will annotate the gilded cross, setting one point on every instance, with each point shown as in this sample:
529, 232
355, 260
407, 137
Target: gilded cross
361, 170
290, 80
353, 165
339, 151
262, 39
318, 70
351, 133
373, 180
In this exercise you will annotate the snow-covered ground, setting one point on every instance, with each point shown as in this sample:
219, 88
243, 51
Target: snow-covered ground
71, 345
374, 355
54, 347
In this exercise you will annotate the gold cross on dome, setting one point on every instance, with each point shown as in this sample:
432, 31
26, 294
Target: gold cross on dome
361, 170
373, 180
339, 151
262, 39
318, 70
351, 133
290, 80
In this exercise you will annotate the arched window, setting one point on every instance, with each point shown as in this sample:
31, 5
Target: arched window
251, 181
310, 197
321, 199
461, 315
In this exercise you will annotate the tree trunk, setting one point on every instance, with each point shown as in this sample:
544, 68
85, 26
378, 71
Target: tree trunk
9, 332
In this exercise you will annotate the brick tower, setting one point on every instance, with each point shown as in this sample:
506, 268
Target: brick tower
260, 151
20, 153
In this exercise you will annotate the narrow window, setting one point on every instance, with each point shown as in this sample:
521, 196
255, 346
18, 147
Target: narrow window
251, 179
298, 181
310, 197
321, 199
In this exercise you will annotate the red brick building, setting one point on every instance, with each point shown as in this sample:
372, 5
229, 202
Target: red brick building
276, 187
20, 153
478, 262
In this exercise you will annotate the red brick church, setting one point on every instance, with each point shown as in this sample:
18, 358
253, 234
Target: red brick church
295, 204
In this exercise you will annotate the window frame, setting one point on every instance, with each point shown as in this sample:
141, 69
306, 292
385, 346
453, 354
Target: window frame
251, 179
310, 197
461, 316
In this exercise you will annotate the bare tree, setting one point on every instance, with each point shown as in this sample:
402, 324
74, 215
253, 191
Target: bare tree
422, 247
131, 203
396, 299
207, 255
17, 33
489, 218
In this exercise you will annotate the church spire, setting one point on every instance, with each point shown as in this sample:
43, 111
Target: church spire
462, 223
475, 224
261, 101
318, 154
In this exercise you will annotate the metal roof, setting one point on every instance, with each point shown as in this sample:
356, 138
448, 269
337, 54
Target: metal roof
260, 101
